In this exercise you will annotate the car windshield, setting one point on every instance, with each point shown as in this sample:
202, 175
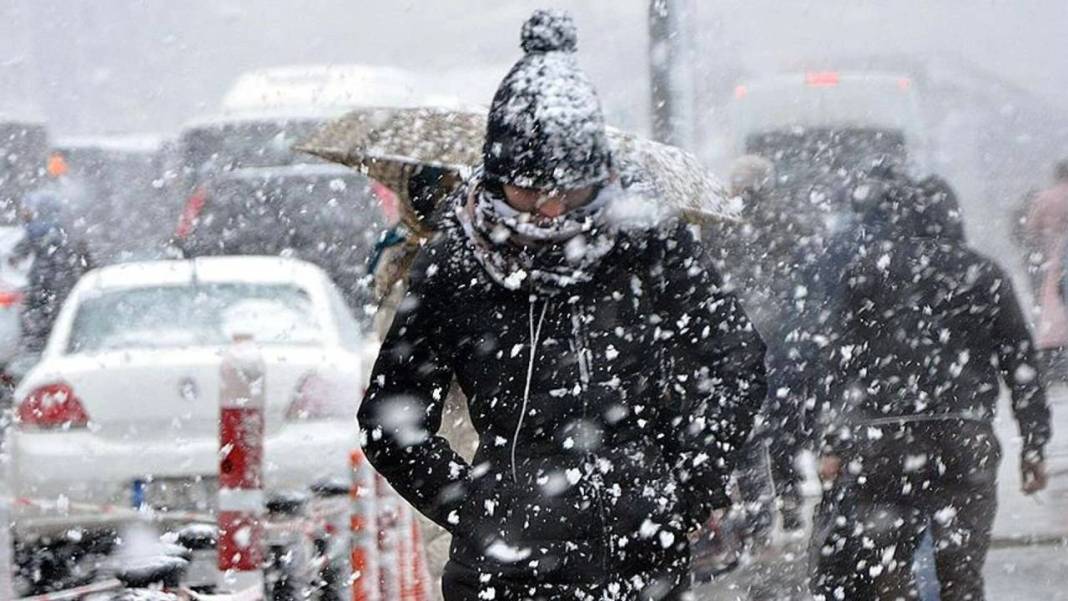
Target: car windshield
326, 217
266, 215
193, 316
816, 165
224, 146
826, 149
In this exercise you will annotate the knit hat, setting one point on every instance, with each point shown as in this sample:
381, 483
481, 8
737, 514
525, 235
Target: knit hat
545, 128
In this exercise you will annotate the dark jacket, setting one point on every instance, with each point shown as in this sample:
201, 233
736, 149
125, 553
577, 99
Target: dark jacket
608, 415
930, 330
59, 261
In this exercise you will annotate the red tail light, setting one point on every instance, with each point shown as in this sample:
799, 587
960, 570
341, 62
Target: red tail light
10, 299
193, 207
317, 398
53, 406
822, 78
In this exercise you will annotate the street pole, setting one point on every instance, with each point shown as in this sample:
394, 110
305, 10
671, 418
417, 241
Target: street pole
671, 63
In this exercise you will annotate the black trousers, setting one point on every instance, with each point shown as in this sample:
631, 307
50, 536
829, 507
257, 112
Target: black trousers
765, 472
767, 465
900, 481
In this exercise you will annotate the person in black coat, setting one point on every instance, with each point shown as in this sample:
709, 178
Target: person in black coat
761, 267
609, 376
59, 261
929, 331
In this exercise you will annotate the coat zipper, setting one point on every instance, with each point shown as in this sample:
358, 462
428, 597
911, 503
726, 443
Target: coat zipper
535, 339
580, 347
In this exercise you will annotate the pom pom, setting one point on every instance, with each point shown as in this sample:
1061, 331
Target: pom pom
549, 31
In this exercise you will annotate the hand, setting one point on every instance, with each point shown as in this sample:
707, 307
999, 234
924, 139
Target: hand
709, 528
1033, 475
830, 466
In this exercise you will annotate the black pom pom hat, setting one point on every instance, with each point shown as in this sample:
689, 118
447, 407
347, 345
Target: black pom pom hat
546, 128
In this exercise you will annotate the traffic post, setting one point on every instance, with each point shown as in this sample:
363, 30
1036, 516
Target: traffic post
420, 579
241, 499
363, 526
390, 540
7, 548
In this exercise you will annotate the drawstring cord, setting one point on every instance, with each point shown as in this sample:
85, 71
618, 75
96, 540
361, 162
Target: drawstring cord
535, 337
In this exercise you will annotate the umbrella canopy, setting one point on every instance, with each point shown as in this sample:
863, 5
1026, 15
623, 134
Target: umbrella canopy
391, 144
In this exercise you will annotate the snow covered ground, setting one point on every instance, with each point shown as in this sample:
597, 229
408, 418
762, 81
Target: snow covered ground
1028, 573
1044, 515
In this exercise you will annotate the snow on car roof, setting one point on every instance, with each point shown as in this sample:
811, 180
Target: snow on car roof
245, 269
264, 116
29, 118
137, 143
321, 86
300, 169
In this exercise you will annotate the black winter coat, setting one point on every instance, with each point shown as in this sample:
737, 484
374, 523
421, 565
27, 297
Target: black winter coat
608, 415
59, 262
931, 329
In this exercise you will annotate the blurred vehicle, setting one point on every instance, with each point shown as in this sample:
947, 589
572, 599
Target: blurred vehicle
325, 214
266, 110
123, 406
215, 145
114, 185
822, 130
240, 188
23, 150
330, 88
212, 147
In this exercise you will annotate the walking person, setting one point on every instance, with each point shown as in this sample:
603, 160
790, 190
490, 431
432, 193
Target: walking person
59, 261
609, 376
762, 269
930, 330
1046, 225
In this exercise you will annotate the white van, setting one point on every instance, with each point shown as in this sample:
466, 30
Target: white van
328, 88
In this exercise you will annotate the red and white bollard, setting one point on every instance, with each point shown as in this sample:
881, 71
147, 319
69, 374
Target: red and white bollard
7, 551
419, 581
390, 557
241, 499
364, 530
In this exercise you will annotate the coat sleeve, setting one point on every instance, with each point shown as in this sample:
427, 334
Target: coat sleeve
401, 413
1019, 369
716, 376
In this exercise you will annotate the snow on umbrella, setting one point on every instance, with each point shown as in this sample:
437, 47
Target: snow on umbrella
390, 144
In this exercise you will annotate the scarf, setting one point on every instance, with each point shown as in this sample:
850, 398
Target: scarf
547, 256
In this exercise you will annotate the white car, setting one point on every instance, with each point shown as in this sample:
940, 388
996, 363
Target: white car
123, 407
12, 281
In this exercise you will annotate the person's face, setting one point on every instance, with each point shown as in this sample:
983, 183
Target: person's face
546, 204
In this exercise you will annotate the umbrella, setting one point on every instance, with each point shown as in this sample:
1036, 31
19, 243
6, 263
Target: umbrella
390, 144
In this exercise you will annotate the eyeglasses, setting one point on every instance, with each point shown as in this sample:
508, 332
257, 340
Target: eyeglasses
549, 203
